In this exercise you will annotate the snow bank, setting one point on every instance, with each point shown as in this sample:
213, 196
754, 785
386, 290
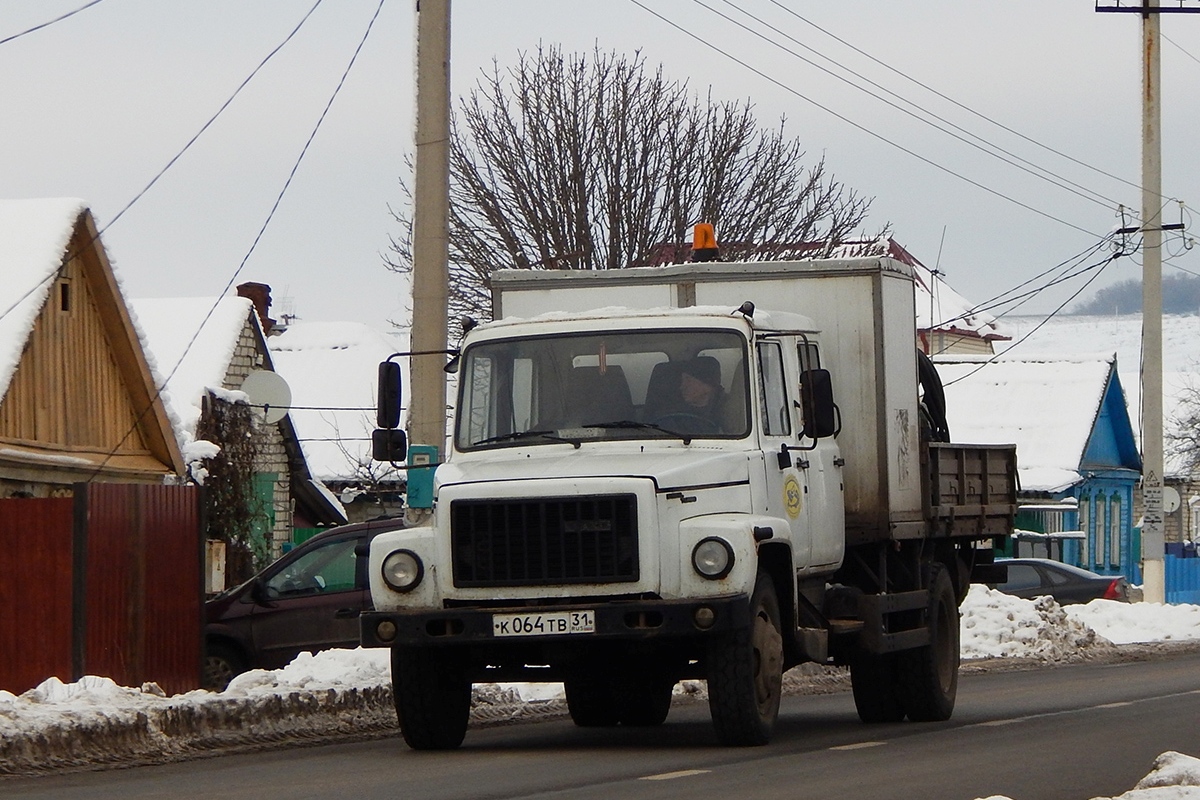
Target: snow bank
1174, 777
1128, 623
997, 625
348, 693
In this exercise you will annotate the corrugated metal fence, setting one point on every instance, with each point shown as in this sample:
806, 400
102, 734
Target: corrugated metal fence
1182, 579
108, 583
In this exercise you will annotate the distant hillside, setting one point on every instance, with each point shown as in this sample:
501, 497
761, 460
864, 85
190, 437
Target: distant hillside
1181, 295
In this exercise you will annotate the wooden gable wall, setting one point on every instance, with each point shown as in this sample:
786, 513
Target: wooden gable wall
82, 383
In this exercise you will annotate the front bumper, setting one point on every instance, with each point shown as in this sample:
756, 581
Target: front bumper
634, 620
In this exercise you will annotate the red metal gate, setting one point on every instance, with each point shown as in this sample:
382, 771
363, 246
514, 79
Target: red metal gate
112, 579
35, 591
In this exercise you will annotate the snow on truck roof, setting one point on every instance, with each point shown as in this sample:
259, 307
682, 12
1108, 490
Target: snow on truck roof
762, 320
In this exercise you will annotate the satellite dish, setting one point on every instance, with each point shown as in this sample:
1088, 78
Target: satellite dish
1170, 499
269, 393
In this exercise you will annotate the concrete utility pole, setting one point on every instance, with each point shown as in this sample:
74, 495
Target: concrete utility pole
431, 245
1153, 573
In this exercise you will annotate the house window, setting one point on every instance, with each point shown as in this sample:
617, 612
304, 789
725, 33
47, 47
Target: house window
64, 295
1098, 554
1114, 531
1085, 518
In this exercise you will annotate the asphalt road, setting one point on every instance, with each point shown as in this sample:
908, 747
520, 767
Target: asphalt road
1058, 733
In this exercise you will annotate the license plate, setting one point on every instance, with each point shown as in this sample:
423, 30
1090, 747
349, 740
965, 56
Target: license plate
552, 623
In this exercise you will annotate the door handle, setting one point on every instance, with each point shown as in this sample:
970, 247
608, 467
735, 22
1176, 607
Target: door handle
346, 613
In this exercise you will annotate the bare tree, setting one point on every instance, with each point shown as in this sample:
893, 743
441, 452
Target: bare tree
1183, 433
578, 162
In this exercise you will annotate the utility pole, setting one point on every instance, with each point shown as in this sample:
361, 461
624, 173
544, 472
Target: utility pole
1153, 573
431, 197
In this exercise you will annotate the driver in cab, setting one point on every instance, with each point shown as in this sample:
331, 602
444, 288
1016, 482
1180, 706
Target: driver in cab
701, 396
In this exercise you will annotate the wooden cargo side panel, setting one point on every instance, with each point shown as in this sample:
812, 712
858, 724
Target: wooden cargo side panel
972, 489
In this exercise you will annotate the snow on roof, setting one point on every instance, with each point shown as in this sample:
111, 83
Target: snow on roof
168, 326
34, 235
1066, 335
1046, 407
332, 369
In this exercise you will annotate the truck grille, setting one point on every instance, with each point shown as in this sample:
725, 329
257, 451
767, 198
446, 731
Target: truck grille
544, 541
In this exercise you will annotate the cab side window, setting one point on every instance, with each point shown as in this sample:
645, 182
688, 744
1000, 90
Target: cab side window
776, 419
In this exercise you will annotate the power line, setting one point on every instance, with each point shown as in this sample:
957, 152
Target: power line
1164, 36
980, 144
857, 126
1101, 267
83, 7
1008, 297
270, 216
954, 102
100, 232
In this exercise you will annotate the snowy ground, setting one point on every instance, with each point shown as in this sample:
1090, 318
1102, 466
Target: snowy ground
347, 693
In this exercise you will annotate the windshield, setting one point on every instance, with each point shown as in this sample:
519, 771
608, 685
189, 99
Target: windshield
680, 384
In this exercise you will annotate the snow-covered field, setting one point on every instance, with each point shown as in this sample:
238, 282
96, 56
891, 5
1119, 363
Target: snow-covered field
347, 692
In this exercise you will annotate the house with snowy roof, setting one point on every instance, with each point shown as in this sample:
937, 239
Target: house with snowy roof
332, 368
207, 348
78, 398
1078, 460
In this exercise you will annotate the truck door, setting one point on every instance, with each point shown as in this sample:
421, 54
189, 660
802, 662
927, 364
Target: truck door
786, 487
827, 508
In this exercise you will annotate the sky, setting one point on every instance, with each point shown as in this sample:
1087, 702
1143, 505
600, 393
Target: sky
994, 625
98, 104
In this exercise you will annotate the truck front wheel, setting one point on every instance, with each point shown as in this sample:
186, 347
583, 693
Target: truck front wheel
745, 673
433, 698
929, 675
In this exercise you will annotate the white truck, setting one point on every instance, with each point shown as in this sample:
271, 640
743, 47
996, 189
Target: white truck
596, 525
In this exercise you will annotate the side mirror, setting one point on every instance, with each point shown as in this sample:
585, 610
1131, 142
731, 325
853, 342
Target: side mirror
389, 444
816, 399
387, 411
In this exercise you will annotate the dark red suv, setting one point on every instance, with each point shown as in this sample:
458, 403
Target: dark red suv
308, 600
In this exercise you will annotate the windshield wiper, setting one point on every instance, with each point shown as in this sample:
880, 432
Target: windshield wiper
634, 424
506, 437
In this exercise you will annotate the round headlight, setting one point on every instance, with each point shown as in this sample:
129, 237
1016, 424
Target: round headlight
712, 558
402, 570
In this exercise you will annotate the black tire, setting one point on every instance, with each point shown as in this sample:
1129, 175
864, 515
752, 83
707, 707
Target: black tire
592, 702
745, 673
929, 675
222, 662
645, 702
433, 698
876, 688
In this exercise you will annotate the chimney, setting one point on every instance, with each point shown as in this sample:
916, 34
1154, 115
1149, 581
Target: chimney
260, 295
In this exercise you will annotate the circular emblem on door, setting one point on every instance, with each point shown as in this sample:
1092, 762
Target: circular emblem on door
792, 496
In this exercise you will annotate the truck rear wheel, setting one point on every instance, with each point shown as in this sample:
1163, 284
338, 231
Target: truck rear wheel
591, 701
929, 674
876, 688
745, 673
644, 702
433, 698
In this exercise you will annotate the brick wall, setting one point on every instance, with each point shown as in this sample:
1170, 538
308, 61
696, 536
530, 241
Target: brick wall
247, 357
